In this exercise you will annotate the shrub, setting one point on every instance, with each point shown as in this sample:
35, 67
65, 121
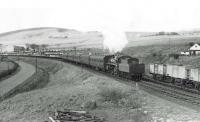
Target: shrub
130, 99
174, 55
134, 101
191, 43
113, 95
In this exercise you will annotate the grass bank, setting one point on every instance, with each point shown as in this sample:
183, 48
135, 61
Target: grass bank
7, 68
71, 87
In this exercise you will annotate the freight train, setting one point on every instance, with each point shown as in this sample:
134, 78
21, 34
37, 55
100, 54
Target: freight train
130, 68
185, 76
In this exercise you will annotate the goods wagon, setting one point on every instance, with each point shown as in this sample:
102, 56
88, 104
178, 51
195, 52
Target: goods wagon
151, 68
65, 57
157, 69
178, 75
178, 72
70, 57
193, 74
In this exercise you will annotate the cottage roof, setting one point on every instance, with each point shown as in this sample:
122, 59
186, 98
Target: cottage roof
195, 47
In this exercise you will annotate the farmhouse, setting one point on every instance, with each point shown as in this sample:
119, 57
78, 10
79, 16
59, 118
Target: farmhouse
194, 50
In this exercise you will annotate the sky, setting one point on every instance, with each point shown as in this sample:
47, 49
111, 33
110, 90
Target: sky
111, 17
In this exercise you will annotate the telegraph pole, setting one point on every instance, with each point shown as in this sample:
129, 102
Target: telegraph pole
36, 64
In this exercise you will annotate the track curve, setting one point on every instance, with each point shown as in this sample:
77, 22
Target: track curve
26, 71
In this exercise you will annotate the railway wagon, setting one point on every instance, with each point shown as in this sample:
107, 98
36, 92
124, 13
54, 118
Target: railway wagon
157, 70
76, 59
179, 75
193, 78
162, 71
85, 60
70, 57
97, 61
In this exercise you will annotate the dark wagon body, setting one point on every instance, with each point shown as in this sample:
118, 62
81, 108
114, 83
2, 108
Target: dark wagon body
99, 61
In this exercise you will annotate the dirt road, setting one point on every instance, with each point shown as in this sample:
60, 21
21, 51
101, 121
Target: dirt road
26, 71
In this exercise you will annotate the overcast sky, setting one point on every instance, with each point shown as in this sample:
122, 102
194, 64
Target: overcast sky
109, 16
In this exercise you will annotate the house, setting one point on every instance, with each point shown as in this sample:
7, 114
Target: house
195, 49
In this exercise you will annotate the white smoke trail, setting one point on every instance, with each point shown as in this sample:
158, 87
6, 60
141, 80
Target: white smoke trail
115, 40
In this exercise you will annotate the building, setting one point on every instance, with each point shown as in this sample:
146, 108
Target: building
19, 49
195, 49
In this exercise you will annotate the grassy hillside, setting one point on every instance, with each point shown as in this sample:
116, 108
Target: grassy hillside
55, 37
75, 89
161, 40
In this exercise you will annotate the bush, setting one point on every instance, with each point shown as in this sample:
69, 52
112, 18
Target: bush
174, 55
113, 95
130, 99
191, 43
161, 33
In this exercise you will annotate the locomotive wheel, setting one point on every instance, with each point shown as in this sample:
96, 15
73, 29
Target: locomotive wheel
198, 87
190, 85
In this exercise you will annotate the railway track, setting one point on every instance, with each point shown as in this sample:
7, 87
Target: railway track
176, 92
172, 92
183, 94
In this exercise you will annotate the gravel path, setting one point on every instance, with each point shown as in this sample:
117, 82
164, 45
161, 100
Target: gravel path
26, 71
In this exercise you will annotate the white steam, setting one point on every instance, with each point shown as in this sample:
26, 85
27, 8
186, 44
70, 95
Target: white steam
114, 40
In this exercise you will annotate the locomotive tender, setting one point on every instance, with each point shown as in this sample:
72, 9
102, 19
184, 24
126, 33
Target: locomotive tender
179, 75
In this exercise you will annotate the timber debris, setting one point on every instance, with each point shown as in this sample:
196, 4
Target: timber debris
74, 116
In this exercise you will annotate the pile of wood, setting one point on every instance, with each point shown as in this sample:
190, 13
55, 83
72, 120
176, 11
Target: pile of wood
74, 116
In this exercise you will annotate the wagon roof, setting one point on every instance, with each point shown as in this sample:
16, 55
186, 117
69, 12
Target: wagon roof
100, 56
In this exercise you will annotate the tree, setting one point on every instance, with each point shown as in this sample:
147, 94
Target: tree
174, 33
191, 43
161, 33
44, 46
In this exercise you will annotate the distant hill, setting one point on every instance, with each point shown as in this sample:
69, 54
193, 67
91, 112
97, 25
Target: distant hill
152, 38
54, 37
151, 49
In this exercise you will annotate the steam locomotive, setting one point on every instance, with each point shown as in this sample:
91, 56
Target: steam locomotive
119, 65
